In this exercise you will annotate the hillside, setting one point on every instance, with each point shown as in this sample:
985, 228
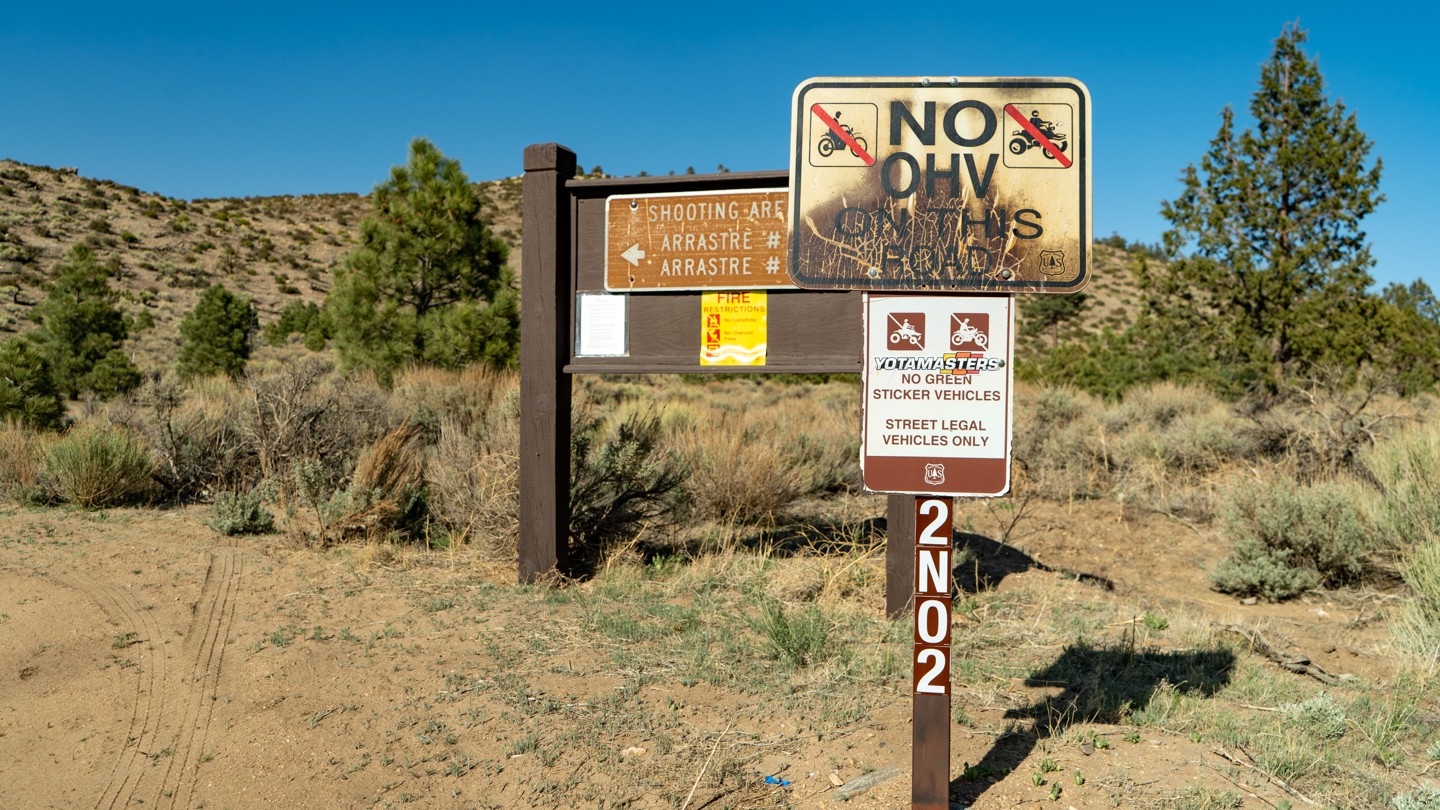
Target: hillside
273, 249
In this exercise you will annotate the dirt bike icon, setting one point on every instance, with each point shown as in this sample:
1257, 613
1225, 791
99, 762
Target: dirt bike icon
968, 334
905, 332
1024, 140
831, 143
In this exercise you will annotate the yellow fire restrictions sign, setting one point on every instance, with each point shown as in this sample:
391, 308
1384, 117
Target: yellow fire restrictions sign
733, 328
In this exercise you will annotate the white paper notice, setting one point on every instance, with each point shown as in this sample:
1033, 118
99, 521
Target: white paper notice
601, 325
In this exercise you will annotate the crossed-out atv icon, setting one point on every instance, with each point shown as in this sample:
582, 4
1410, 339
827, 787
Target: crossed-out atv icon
907, 333
1023, 140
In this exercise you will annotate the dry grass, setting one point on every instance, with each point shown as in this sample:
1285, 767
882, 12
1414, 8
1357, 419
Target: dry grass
22, 460
387, 485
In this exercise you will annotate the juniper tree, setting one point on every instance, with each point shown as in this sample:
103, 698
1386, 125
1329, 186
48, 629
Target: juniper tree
1278, 265
215, 337
428, 282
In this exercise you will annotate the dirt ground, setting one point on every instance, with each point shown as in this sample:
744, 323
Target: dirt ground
148, 662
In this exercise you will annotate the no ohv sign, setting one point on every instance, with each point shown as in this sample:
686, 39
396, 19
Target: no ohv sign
946, 184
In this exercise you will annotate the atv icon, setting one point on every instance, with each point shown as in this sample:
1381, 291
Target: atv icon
1024, 141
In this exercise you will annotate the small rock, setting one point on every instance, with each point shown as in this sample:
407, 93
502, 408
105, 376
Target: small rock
633, 751
835, 779
864, 783
1329, 648
1249, 600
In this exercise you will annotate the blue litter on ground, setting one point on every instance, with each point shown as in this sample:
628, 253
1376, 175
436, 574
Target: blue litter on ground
775, 780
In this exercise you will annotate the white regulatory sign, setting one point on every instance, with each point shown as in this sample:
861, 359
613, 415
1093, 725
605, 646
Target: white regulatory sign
937, 394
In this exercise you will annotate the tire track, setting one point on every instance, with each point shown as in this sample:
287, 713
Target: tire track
150, 706
174, 701
204, 653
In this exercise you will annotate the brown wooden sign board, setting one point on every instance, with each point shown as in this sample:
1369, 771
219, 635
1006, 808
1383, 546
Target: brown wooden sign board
697, 240
944, 184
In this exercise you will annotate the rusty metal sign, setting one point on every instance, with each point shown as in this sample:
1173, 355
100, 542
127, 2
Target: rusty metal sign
941, 184
728, 240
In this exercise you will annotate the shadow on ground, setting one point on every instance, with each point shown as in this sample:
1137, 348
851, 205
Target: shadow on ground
985, 562
1100, 685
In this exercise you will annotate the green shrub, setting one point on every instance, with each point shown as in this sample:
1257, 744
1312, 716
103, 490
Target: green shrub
1160, 404
620, 481
98, 464
1425, 798
800, 638
303, 317
1407, 514
1291, 538
1320, 716
1060, 444
240, 513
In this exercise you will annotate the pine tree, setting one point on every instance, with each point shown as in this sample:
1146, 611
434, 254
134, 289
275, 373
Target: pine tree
302, 317
1278, 264
82, 329
27, 387
427, 272
215, 337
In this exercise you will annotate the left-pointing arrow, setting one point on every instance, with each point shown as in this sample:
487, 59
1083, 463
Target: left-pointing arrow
633, 254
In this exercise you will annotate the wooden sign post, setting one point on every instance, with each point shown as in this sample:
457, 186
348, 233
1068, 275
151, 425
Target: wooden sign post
930, 750
930, 780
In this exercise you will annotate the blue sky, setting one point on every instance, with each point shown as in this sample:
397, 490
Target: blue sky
206, 100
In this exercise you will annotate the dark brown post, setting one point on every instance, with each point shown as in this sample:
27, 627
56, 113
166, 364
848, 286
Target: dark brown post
899, 554
930, 753
545, 275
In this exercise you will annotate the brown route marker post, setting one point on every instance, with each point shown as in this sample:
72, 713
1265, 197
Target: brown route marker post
934, 543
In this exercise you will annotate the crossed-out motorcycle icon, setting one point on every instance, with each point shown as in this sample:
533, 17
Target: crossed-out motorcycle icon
968, 334
830, 142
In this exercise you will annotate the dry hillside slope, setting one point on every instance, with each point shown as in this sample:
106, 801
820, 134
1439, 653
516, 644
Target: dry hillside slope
273, 249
